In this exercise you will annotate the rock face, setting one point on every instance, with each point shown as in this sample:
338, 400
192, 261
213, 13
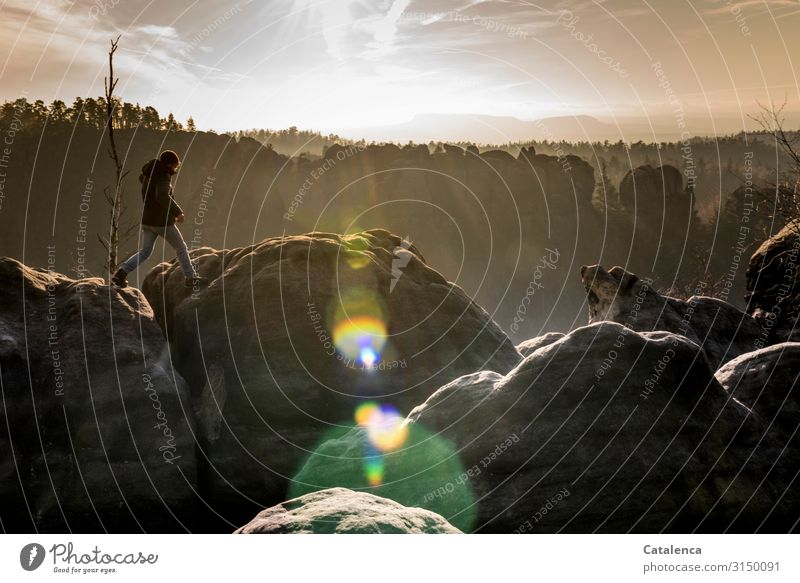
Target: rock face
293, 334
528, 347
498, 157
646, 183
605, 430
773, 285
722, 330
94, 435
558, 174
766, 381
342, 511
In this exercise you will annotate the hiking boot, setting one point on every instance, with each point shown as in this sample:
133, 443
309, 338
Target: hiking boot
120, 278
195, 281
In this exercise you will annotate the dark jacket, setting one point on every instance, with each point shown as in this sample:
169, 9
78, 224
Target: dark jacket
160, 209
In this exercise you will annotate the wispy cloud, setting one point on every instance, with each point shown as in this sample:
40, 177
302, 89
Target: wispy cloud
386, 30
308, 58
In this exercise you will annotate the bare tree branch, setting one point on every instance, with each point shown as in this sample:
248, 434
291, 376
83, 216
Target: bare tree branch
115, 200
783, 195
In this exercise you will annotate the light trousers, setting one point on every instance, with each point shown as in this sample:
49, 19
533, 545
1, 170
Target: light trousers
173, 236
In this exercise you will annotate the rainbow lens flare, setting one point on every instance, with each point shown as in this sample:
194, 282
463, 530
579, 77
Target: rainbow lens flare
373, 469
360, 338
425, 472
386, 431
384, 425
368, 357
359, 327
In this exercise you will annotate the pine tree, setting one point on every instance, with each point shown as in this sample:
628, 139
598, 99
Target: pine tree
58, 111
606, 190
76, 113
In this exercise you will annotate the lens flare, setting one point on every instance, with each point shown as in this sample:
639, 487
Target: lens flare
373, 470
360, 336
357, 261
365, 412
385, 426
359, 327
385, 432
426, 471
368, 357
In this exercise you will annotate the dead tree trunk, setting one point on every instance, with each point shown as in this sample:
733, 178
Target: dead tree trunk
113, 196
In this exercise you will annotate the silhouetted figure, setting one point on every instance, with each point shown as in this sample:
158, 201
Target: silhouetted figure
159, 218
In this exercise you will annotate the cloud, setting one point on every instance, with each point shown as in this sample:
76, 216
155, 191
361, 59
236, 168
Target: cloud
59, 50
336, 21
386, 29
308, 58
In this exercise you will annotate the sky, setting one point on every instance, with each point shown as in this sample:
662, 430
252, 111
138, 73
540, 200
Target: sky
346, 65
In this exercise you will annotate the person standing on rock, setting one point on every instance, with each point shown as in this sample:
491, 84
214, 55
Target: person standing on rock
159, 218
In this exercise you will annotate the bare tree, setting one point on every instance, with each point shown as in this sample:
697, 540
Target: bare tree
113, 197
783, 195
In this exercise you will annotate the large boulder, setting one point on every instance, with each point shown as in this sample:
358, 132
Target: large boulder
94, 431
654, 215
767, 382
528, 347
605, 430
499, 158
293, 334
773, 285
645, 184
564, 180
342, 511
723, 331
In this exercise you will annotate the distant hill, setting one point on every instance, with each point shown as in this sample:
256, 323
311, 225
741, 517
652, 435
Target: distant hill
487, 129
491, 129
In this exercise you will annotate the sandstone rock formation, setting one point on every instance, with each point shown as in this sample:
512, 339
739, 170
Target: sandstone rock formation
773, 285
528, 347
646, 183
571, 175
766, 381
722, 330
342, 511
298, 333
498, 158
605, 430
94, 431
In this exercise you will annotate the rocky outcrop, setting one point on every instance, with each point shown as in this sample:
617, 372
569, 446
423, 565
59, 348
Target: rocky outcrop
94, 431
300, 331
342, 511
655, 210
605, 430
767, 382
723, 331
498, 158
568, 174
528, 347
646, 183
773, 285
